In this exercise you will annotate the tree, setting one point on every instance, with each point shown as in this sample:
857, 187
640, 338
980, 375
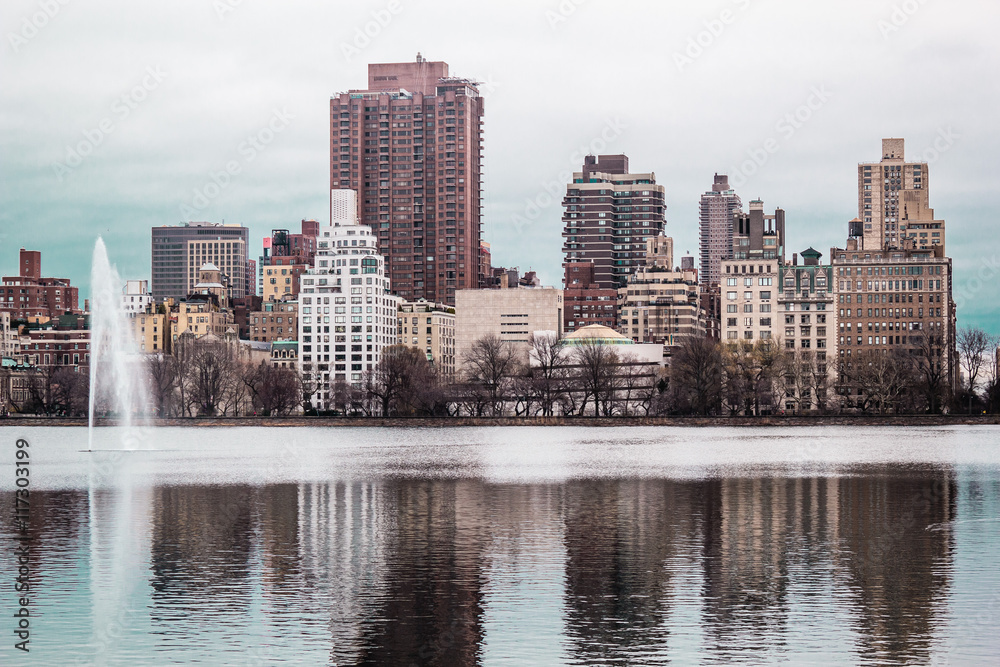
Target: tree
752, 373
396, 384
882, 379
547, 370
273, 391
163, 376
211, 371
596, 371
973, 343
930, 371
490, 366
695, 376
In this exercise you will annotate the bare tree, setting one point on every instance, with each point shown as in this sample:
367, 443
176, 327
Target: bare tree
162, 372
931, 373
752, 375
695, 376
490, 365
398, 382
546, 370
973, 343
273, 391
596, 368
211, 373
882, 379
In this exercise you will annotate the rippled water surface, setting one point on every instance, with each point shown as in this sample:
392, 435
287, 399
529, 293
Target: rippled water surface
507, 546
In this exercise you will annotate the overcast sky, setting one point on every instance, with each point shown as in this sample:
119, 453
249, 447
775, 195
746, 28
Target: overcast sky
114, 114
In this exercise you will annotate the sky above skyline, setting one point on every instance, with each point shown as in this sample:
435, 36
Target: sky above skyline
118, 116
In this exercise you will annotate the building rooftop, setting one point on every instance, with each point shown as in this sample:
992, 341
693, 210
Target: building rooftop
596, 333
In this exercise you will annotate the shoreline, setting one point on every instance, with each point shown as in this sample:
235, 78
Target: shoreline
458, 422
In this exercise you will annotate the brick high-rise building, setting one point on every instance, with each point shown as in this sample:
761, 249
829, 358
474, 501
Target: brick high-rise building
584, 301
894, 299
410, 145
29, 296
715, 232
609, 214
893, 203
180, 251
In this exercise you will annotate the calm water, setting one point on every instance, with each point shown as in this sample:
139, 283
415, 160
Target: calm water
508, 546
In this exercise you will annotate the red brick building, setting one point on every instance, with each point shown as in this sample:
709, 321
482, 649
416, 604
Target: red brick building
28, 296
585, 302
410, 145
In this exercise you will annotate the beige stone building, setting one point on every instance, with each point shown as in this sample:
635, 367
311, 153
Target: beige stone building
430, 327
660, 304
281, 279
200, 318
749, 283
893, 203
808, 329
150, 331
511, 314
9, 345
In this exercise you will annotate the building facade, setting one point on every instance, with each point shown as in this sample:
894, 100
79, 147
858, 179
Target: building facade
292, 249
136, 297
809, 327
410, 145
608, 215
430, 327
716, 212
281, 278
894, 203
347, 314
29, 296
660, 304
585, 302
275, 321
892, 300
750, 280
511, 314
179, 251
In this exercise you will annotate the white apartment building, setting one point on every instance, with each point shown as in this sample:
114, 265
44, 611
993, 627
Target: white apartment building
347, 314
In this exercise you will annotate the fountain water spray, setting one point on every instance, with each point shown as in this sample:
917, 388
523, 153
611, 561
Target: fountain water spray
117, 374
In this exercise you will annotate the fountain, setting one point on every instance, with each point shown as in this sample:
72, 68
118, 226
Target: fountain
117, 378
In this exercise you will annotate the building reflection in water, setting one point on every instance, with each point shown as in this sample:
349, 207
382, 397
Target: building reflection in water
443, 571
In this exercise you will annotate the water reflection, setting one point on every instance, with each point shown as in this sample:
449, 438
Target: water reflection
467, 572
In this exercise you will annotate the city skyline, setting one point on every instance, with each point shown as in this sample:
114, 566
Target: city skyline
802, 136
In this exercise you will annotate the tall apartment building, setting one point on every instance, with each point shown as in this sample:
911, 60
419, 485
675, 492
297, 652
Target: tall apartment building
806, 306
29, 296
660, 304
609, 214
430, 327
347, 314
178, 252
751, 277
511, 314
893, 203
410, 145
892, 299
9, 339
716, 213
585, 302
